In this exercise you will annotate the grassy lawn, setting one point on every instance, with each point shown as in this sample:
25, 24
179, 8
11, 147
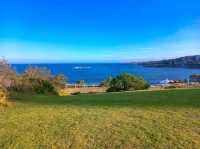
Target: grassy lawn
157, 119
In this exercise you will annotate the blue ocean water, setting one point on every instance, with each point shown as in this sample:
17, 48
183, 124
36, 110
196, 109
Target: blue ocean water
96, 73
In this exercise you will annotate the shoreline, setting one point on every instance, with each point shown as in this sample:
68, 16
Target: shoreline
95, 89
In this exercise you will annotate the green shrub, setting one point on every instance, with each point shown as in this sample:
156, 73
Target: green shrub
43, 86
126, 82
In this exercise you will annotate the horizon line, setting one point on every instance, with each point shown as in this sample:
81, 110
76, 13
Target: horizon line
95, 62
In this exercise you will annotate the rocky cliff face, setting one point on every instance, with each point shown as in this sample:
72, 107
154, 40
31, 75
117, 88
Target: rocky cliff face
187, 61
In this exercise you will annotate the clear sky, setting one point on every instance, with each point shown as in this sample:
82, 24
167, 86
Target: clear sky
98, 30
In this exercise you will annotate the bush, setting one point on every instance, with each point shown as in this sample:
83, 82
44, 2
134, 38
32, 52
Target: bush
7, 75
34, 79
38, 80
43, 86
3, 96
59, 81
36, 72
126, 82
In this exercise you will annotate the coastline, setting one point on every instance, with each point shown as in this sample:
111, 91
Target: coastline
99, 72
75, 88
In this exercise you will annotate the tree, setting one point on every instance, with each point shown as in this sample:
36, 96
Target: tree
126, 82
40, 80
34, 79
7, 75
59, 81
36, 72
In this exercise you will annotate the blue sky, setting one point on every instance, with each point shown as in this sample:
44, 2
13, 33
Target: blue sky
98, 30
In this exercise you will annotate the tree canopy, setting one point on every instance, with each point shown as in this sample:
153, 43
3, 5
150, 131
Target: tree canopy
126, 82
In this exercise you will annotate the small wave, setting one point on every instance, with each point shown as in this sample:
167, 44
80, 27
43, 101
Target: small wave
82, 67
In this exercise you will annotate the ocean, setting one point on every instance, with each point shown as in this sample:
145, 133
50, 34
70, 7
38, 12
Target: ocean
96, 73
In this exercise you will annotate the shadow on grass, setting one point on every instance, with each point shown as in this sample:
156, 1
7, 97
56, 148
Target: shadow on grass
170, 98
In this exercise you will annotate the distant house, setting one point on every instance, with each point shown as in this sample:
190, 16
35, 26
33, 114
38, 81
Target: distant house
195, 78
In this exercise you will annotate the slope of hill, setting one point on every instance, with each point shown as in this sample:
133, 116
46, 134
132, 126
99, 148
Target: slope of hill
156, 119
187, 61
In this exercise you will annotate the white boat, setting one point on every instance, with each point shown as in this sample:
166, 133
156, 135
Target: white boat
82, 67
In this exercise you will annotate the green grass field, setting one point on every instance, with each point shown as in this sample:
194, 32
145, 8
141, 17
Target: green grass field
157, 119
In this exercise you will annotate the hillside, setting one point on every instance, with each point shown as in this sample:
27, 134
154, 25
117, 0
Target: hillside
157, 119
187, 62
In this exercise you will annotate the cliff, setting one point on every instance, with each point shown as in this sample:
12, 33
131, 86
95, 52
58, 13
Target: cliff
185, 62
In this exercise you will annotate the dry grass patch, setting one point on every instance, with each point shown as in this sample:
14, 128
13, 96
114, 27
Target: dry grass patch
70, 91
